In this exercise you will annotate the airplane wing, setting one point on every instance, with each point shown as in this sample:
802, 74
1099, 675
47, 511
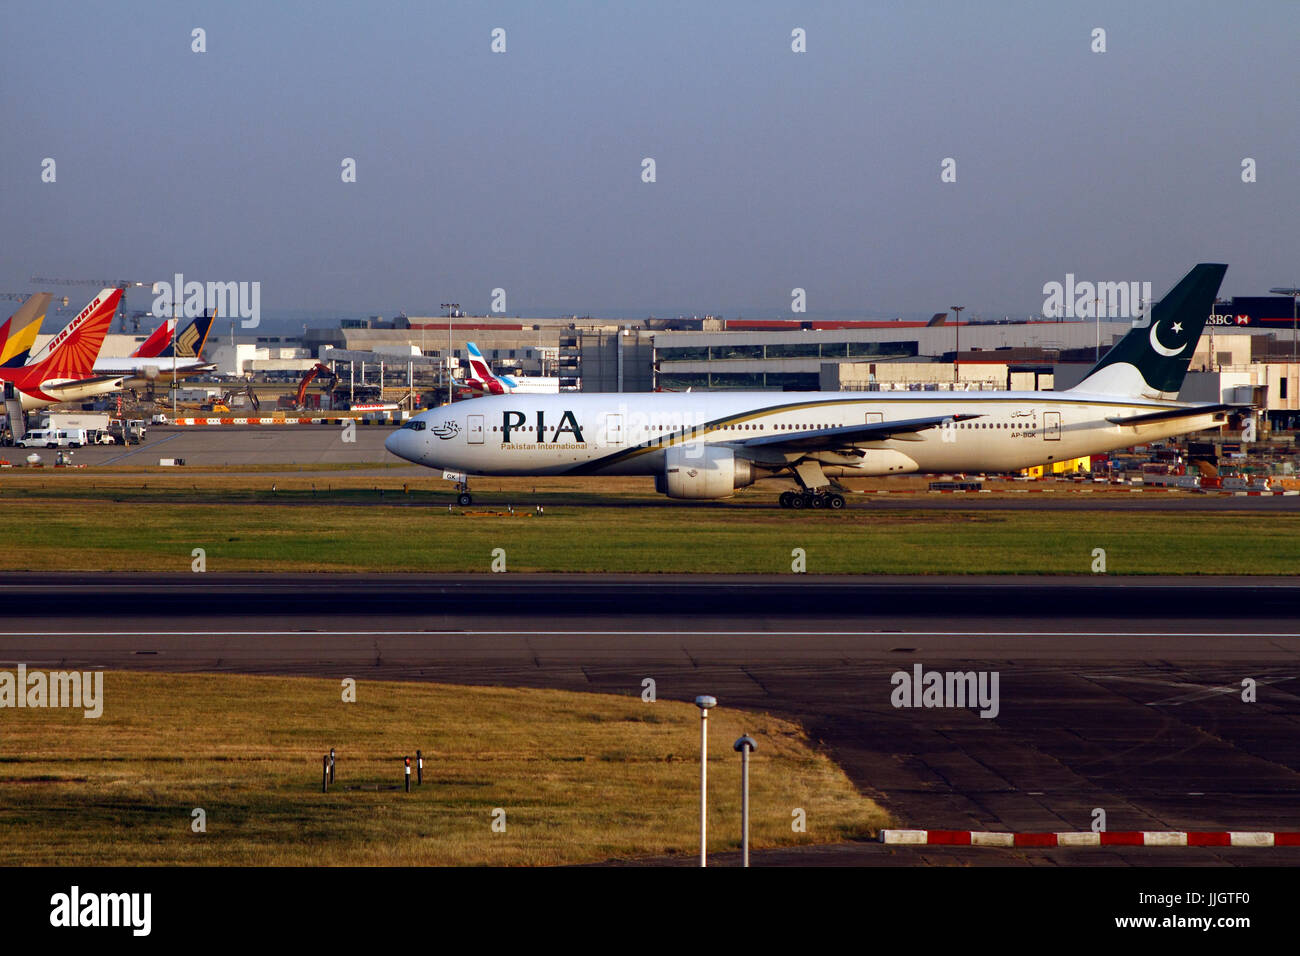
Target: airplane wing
1168, 413
829, 438
82, 382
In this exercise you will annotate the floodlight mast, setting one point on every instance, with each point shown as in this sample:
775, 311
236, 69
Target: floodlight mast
704, 702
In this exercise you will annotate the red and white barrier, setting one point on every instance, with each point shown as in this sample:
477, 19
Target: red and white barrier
1089, 838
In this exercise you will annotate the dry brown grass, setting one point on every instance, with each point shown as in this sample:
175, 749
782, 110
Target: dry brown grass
581, 777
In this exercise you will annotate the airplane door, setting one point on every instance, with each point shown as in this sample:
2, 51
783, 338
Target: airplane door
475, 435
875, 418
1052, 426
614, 429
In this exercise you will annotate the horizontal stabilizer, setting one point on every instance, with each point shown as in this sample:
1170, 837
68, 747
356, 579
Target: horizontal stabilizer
1169, 413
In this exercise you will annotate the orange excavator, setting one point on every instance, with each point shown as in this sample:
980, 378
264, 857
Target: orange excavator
312, 373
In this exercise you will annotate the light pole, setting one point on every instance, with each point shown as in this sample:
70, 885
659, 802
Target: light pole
1096, 305
745, 745
176, 321
450, 307
704, 702
956, 355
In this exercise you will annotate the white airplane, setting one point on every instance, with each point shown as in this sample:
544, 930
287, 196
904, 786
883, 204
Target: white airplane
483, 381
181, 355
709, 444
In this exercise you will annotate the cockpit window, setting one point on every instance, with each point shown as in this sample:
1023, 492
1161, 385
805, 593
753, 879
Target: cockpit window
414, 425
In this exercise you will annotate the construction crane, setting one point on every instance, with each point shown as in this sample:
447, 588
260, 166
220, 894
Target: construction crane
134, 315
24, 296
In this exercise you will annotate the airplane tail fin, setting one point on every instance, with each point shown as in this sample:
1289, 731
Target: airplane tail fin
1151, 360
156, 342
478, 365
18, 334
71, 354
190, 340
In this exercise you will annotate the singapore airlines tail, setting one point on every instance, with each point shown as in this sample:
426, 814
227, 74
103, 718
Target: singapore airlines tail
189, 341
1151, 360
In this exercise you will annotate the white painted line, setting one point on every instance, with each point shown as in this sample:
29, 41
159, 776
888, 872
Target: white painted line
1164, 838
989, 838
665, 633
904, 836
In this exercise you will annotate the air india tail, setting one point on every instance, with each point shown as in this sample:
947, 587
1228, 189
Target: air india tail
18, 334
71, 354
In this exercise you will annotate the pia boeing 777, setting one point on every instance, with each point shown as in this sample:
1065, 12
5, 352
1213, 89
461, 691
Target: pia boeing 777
710, 444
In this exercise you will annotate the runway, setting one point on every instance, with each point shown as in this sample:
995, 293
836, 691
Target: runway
1115, 693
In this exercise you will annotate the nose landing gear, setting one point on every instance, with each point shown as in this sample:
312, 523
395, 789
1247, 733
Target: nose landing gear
463, 498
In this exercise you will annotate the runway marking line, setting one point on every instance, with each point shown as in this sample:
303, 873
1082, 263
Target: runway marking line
661, 633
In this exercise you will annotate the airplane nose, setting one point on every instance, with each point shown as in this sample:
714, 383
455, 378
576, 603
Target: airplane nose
397, 443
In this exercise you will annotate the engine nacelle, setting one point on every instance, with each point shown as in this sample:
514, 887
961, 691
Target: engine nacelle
707, 471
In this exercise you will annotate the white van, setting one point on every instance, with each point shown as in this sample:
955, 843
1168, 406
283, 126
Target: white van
54, 438
40, 438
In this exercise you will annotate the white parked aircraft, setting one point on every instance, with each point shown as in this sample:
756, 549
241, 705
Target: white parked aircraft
709, 444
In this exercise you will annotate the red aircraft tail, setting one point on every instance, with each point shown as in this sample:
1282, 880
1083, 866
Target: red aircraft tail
71, 354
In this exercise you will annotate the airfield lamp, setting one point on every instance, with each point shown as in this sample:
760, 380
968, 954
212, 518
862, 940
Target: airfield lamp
704, 702
745, 745
956, 355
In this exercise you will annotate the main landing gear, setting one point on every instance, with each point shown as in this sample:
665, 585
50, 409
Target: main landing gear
798, 500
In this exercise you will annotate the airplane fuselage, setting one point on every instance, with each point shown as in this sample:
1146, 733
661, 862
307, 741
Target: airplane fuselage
631, 433
55, 391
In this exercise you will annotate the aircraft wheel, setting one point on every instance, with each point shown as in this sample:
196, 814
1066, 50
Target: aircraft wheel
797, 502
464, 499
785, 498
818, 501
834, 501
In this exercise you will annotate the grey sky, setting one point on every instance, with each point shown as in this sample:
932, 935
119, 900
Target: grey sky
522, 170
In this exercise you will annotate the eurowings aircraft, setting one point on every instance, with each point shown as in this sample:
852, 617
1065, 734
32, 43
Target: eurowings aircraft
709, 444
63, 371
483, 381
481, 378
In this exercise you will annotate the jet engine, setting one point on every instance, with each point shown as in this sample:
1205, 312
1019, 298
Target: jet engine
703, 471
